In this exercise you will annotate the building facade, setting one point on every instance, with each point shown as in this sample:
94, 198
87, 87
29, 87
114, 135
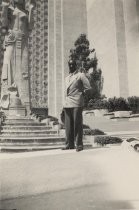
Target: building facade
113, 30
67, 20
56, 26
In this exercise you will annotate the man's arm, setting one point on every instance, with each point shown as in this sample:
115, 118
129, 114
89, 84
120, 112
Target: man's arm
86, 83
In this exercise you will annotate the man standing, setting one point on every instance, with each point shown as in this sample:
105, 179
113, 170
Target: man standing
76, 85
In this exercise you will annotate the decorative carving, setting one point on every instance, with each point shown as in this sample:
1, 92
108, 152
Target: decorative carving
35, 63
25, 75
38, 55
16, 17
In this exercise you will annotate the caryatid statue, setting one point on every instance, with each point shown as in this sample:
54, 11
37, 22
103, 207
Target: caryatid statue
16, 22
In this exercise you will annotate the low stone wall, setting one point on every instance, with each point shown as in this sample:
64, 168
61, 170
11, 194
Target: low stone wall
122, 114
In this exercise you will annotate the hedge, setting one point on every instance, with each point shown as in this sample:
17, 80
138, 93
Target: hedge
103, 140
93, 132
133, 104
116, 104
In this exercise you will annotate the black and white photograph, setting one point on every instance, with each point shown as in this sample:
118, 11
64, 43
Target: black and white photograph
69, 104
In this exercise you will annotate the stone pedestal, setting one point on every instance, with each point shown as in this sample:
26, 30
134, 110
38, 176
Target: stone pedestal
121, 114
16, 108
17, 111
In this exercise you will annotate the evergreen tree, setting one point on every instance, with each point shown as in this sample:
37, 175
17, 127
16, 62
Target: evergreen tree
87, 62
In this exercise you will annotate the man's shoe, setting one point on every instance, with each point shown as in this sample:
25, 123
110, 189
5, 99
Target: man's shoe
67, 148
78, 149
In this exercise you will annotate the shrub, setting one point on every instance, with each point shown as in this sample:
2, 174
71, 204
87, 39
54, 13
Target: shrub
93, 132
2, 116
103, 140
55, 123
134, 104
98, 104
117, 104
131, 139
53, 118
86, 126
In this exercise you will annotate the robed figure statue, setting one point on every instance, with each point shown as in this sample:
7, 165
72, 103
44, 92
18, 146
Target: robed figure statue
16, 22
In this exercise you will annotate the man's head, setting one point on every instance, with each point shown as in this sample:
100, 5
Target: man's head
72, 66
20, 3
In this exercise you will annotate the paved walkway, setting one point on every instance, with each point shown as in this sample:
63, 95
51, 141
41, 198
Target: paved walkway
99, 179
107, 125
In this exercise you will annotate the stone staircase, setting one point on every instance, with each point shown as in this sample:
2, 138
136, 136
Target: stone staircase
22, 134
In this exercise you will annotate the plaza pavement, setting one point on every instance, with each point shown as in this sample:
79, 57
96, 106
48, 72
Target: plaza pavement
116, 128
99, 179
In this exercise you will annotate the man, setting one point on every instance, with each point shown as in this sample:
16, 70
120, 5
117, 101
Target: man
76, 85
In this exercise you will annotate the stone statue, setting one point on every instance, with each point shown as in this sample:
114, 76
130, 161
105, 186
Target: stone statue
16, 20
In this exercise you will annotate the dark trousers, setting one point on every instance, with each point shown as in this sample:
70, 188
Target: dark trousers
74, 127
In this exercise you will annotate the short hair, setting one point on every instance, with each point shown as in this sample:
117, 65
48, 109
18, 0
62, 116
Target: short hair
20, 2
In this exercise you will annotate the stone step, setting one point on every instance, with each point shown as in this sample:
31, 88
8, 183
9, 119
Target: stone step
41, 143
27, 136
8, 147
20, 127
39, 140
28, 132
19, 120
26, 123
29, 148
44, 142
18, 117
30, 144
31, 139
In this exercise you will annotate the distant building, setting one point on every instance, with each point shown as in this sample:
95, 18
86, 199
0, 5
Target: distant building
113, 30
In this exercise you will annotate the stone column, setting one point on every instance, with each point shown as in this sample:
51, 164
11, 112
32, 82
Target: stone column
67, 20
121, 48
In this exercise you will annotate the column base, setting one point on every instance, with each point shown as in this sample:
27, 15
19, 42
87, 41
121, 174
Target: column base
17, 111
